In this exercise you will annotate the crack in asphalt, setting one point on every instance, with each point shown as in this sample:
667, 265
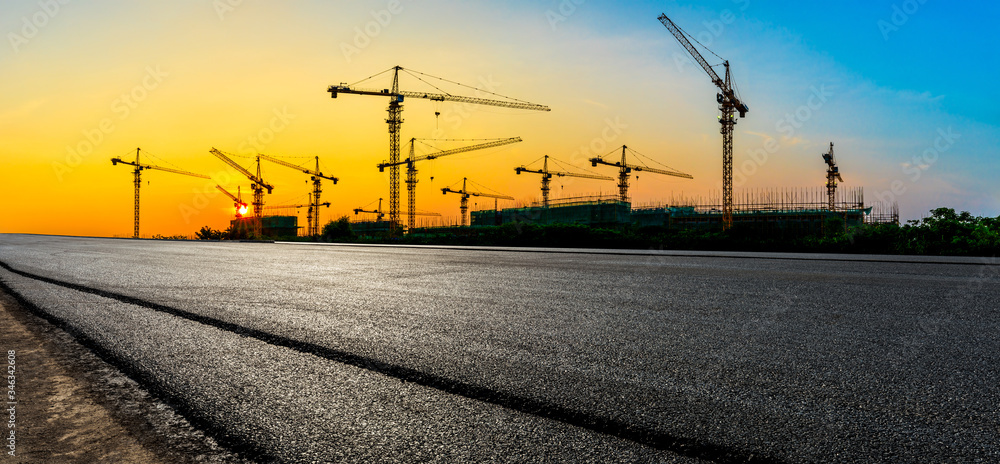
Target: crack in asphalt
652, 438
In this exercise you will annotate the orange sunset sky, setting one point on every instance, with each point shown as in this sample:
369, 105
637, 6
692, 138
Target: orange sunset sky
87, 81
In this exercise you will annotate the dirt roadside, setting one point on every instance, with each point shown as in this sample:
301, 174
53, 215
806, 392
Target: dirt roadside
73, 407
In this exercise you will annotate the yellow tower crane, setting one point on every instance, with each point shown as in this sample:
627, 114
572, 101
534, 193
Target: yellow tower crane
465, 193
832, 176
274, 207
395, 119
411, 170
729, 104
138, 181
379, 214
240, 207
316, 177
547, 177
238, 204
624, 169
256, 183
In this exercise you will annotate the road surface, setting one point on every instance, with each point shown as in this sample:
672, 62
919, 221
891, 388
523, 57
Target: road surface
306, 352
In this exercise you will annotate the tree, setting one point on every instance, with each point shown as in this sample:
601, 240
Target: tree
338, 231
208, 233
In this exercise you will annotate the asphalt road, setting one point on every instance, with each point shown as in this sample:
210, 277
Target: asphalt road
303, 353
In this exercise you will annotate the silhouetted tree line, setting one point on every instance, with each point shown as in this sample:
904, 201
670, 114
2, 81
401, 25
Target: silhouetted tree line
231, 233
944, 232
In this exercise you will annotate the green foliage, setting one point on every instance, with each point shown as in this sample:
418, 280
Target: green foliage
207, 233
338, 231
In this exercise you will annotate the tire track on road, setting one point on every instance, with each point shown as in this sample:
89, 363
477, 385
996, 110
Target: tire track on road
652, 438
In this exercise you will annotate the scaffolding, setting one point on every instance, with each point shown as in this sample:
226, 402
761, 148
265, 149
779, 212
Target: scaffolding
784, 209
594, 210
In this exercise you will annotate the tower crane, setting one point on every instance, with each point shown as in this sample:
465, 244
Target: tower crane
311, 206
465, 193
547, 177
256, 182
624, 169
395, 120
316, 177
327, 204
411, 170
379, 214
832, 176
238, 203
138, 181
729, 104
239, 226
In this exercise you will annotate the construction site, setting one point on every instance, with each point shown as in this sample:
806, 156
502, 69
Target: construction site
799, 210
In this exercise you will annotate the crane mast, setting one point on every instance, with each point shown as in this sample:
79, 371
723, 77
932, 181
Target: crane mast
137, 182
624, 169
258, 185
729, 105
547, 177
411, 170
316, 177
395, 122
238, 202
465, 194
377, 212
832, 176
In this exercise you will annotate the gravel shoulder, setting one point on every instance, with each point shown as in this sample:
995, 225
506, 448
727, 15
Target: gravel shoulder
73, 407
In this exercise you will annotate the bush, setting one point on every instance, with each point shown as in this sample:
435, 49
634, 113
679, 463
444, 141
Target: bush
208, 233
338, 231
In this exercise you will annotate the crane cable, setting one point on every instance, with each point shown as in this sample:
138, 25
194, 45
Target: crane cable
484, 187
735, 88
563, 166
467, 86
699, 43
371, 77
651, 159
439, 89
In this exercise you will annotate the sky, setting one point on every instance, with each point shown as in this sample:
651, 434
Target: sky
897, 86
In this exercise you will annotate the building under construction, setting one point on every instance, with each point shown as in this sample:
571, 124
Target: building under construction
792, 210
271, 226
